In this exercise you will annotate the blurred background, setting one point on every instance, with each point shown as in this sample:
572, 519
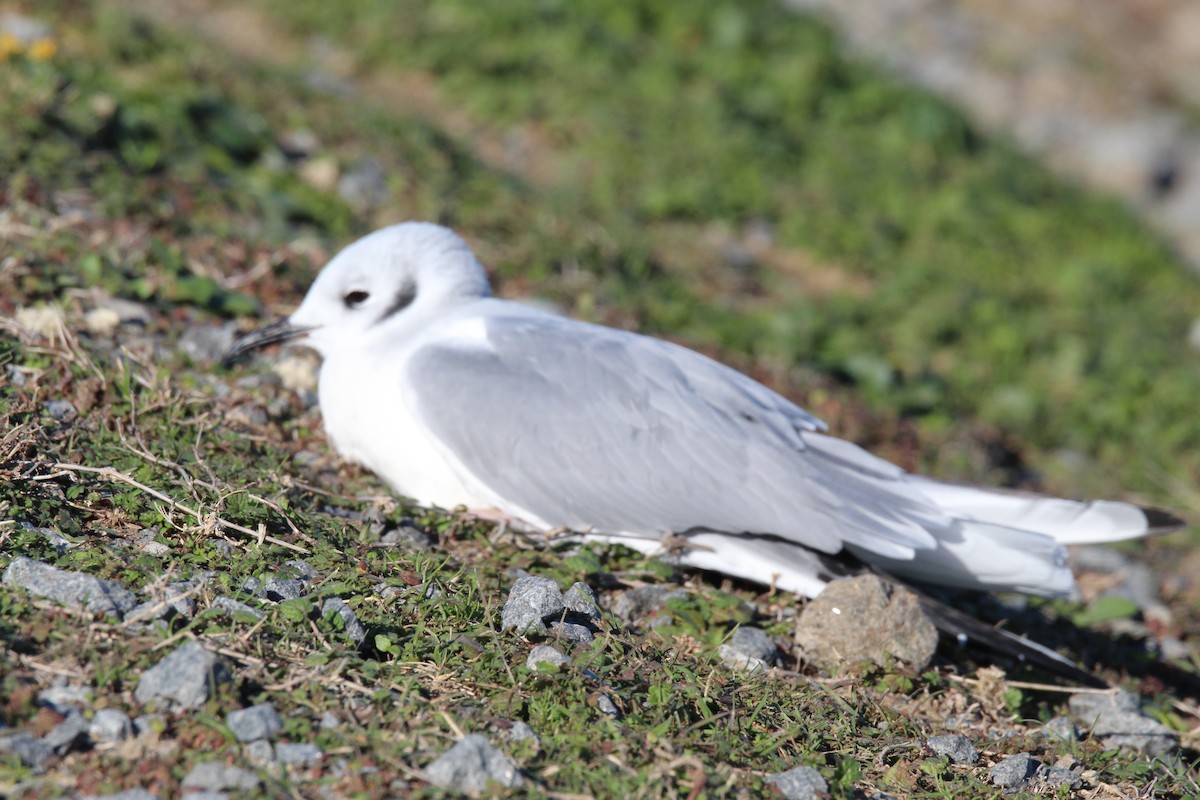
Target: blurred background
965, 234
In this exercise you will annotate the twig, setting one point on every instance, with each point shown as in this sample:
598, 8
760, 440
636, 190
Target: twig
112, 474
1041, 687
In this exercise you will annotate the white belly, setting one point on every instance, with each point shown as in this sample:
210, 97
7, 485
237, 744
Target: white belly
370, 421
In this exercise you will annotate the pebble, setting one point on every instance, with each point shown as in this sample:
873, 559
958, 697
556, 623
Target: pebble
354, 629
365, 185
580, 601
545, 654
865, 618
207, 344
260, 752
330, 721
637, 604
64, 697
185, 679
1118, 722
531, 601
30, 750
72, 589
570, 632
69, 733
235, 607
520, 732
110, 725
256, 722
279, 589
148, 724
128, 794
408, 539
301, 754
800, 783
1013, 770
471, 764
1061, 729
606, 705
60, 542
215, 776
749, 650
61, 410
958, 748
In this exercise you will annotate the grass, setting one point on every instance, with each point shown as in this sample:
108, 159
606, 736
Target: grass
926, 288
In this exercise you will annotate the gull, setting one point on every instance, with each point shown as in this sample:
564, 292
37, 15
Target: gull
456, 398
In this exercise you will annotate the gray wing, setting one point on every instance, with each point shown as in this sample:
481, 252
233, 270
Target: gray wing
592, 428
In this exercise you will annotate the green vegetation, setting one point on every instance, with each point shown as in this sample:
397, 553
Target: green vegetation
623, 160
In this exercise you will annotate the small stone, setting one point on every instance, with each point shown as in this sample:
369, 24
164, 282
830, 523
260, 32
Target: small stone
471, 764
581, 601
278, 589
1014, 770
570, 632
256, 722
60, 542
214, 776
864, 618
330, 721
800, 783
749, 650
607, 706
72, 589
253, 586
302, 754
65, 697
61, 410
336, 606
408, 539
207, 344
531, 601
644, 601
365, 185
958, 748
110, 725
247, 415
30, 750
235, 607
260, 752
149, 724
520, 732
185, 679
545, 654
1061, 729
1118, 722
1060, 775
68, 734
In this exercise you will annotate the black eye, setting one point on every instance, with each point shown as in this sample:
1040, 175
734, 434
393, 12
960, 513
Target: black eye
355, 299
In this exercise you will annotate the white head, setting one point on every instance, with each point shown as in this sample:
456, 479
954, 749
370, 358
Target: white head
391, 277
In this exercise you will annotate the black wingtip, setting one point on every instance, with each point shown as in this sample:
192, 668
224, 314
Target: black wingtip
1159, 521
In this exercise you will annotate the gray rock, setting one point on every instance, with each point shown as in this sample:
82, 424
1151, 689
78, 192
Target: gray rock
520, 732
61, 410
278, 589
65, 697
580, 601
214, 776
185, 679
110, 725
1117, 721
570, 632
1061, 729
256, 722
128, 794
72, 589
30, 750
260, 752
471, 764
24, 29
302, 569
330, 721
531, 601
354, 629
176, 598
302, 754
253, 586
146, 541
865, 619
749, 650
60, 542
408, 539
800, 783
235, 607
1059, 775
72, 732
364, 186
958, 748
1014, 770
637, 604
545, 654
207, 344
607, 706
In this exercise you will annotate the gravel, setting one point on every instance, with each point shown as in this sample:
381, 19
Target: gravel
71, 589
1013, 770
865, 619
336, 606
128, 794
1061, 729
644, 601
749, 650
958, 748
185, 679
235, 607
214, 776
110, 725
545, 654
800, 783
207, 344
531, 602
1118, 722
256, 722
279, 589
471, 764
301, 754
